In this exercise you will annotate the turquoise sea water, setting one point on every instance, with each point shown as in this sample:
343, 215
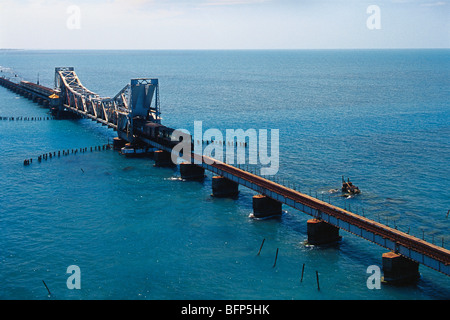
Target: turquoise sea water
381, 117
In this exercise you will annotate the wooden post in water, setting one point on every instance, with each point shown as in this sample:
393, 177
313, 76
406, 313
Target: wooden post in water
303, 270
261, 246
276, 256
317, 277
49, 293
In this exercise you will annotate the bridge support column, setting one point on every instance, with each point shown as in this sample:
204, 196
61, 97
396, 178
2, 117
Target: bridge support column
398, 269
191, 171
118, 143
163, 159
320, 232
264, 207
224, 188
63, 114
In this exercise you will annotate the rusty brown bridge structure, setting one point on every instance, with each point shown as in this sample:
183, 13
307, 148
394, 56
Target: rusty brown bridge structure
131, 111
400, 264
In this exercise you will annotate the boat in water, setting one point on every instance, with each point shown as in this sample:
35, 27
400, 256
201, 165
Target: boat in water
348, 187
130, 150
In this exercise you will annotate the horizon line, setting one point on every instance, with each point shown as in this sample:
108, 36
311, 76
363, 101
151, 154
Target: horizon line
224, 49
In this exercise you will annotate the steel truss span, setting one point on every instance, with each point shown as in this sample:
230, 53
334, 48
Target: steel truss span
134, 101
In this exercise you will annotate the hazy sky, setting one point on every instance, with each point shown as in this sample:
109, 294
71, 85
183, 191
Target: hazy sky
224, 24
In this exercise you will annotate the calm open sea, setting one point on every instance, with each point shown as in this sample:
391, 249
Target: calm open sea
380, 117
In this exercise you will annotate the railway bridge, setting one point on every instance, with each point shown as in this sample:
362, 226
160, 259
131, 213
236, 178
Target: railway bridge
134, 113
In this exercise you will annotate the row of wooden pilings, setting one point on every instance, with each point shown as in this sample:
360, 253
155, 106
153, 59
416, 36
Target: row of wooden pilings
56, 154
21, 118
397, 269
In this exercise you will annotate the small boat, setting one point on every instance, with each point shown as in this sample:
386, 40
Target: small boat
348, 187
136, 151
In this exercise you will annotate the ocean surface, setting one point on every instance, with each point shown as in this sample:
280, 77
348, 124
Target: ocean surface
380, 117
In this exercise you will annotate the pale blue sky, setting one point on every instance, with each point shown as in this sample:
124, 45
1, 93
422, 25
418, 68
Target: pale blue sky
222, 24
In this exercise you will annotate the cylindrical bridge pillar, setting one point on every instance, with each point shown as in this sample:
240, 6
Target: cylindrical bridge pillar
398, 269
163, 159
118, 143
320, 232
191, 171
224, 188
264, 207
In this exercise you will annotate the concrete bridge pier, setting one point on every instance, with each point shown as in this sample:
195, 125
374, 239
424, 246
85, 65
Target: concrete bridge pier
163, 159
118, 143
264, 207
320, 232
224, 188
191, 171
398, 269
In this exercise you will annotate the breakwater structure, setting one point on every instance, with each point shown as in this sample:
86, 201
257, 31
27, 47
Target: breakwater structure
134, 113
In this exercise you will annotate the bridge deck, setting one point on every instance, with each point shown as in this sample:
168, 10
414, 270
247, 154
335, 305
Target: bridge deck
423, 252
409, 246
433, 256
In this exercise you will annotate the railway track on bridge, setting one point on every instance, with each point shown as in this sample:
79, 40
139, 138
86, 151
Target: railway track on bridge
133, 105
400, 238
